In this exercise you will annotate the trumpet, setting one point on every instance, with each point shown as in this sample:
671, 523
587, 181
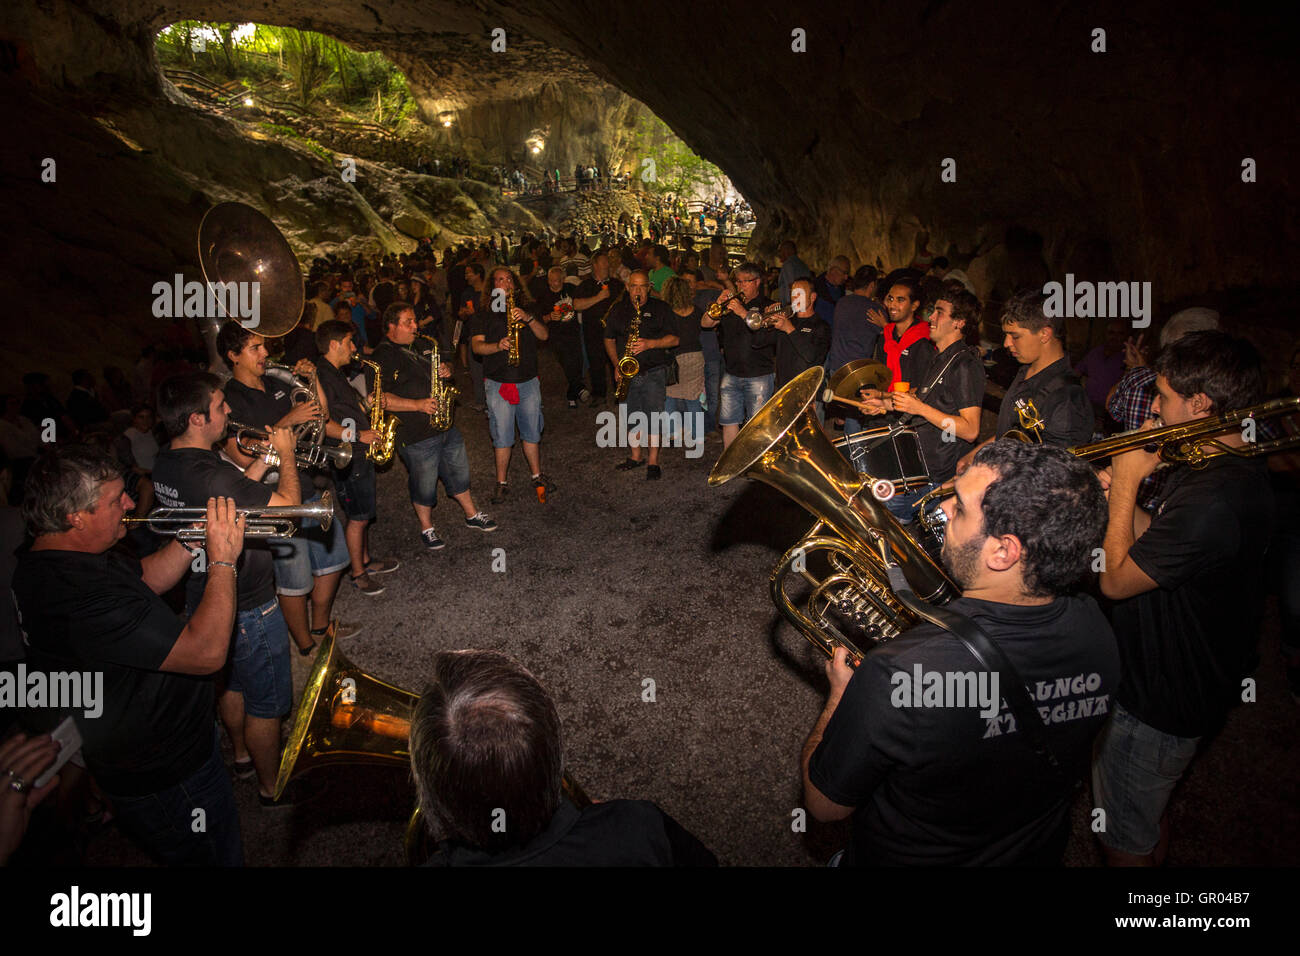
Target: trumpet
272, 522
766, 318
722, 304
257, 444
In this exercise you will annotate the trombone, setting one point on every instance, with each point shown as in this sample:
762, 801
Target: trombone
272, 522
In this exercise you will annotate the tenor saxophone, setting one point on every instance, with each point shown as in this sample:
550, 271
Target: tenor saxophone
385, 429
628, 366
444, 396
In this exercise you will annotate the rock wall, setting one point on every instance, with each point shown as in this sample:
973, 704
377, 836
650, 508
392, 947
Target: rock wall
1125, 164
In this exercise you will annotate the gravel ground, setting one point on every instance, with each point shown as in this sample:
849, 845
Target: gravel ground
617, 580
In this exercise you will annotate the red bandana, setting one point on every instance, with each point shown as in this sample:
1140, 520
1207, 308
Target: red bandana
918, 331
510, 392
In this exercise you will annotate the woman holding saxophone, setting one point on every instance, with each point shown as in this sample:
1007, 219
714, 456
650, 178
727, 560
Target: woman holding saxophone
506, 336
348, 421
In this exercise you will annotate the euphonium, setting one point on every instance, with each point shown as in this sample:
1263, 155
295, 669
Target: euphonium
443, 395
345, 716
628, 366
855, 537
257, 444
385, 429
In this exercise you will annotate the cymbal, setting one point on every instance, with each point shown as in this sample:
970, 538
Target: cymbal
859, 374
239, 244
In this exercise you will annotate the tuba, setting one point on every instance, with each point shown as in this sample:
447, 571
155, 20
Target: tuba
385, 429
345, 716
237, 244
855, 539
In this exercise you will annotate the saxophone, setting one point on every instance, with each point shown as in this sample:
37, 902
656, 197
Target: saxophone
628, 366
513, 329
381, 452
443, 395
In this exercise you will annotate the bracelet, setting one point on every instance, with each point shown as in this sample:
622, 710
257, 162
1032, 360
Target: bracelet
222, 564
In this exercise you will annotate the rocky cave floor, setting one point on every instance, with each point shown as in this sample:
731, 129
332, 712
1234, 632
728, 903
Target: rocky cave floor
617, 579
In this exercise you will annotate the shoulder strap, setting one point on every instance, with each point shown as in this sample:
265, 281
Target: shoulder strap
992, 659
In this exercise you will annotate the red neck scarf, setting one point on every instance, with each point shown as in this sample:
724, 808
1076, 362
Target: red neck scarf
894, 349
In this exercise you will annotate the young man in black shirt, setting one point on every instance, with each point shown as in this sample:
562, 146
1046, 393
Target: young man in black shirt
1188, 587
88, 607
486, 755
945, 407
916, 745
647, 391
311, 562
428, 455
748, 376
1037, 342
593, 298
349, 421
514, 392
259, 686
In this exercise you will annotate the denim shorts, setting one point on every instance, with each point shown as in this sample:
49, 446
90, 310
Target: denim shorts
647, 393
1134, 770
259, 663
504, 418
740, 398
441, 456
356, 487
309, 553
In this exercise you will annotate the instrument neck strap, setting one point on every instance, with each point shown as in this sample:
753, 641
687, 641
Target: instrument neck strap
989, 656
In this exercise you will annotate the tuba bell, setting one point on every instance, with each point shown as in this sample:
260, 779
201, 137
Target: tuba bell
345, 716
854, 537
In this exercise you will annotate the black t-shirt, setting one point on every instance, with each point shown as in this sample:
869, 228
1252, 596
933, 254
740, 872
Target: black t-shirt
801, 349
955, 386
93, 612
688, 329
344, 402
1187, 644
545, 309
1061, 402
259, 409
407, 374
613, 833
187, 478
739, 356
588, 288
493, 326
657, 320
945, 786
853, 335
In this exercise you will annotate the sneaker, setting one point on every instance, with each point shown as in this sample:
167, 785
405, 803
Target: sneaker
653, 473
584, 396
573, 403
499, 496
382, 566
627, 464
541, 481
431, 540
294, 794
481, 522
244, 770
365, 584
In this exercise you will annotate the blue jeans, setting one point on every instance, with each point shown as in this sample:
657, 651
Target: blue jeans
440, 456
164, 821
712, 383
1134, 770
689, 408
741, 397
259, 664
900, 506
311, 553
504, 418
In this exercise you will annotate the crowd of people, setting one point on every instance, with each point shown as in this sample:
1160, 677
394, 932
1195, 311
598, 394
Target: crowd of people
1140, 657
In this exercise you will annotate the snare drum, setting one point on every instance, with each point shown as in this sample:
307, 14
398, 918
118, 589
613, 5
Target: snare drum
890, 453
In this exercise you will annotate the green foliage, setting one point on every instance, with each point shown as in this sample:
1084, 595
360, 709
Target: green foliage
315, 66
292, 133
677, 168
